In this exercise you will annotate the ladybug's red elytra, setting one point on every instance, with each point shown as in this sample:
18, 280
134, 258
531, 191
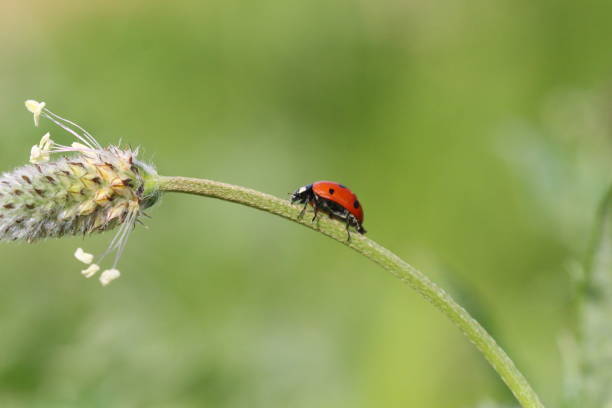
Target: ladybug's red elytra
334, 199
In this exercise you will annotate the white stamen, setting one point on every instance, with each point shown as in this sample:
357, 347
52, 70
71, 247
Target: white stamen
91, 271
36, 155
108, 276
46, 140
84, 150
80, 146
36, 108
86, 138
83, 256
40, 152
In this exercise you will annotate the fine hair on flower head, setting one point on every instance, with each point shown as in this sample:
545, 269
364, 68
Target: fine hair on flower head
86, 188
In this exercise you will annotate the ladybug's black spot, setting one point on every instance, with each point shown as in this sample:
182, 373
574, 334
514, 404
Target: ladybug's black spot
356, 204
332, 191
342, 185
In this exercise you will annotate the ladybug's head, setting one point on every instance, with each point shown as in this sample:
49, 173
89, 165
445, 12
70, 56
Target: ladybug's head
302, 194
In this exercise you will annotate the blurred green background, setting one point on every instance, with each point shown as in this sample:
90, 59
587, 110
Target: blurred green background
476, 134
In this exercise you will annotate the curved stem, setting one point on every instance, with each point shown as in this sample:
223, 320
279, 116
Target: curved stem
494, 354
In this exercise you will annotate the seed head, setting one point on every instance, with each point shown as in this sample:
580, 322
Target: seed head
87, 189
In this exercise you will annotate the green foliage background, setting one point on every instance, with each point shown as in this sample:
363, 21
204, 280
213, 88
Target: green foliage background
476, 134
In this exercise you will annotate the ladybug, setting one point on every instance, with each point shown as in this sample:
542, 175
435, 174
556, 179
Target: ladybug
334, 199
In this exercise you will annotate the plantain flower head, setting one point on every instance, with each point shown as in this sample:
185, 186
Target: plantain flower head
76, 189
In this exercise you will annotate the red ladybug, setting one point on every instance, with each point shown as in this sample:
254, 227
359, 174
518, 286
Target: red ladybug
334, 199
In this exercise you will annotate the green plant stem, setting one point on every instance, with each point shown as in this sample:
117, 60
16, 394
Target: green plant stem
494, 354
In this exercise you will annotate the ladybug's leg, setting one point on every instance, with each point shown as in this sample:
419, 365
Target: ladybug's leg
316, 212
348, 231
315, 205
301, 214
347, 217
